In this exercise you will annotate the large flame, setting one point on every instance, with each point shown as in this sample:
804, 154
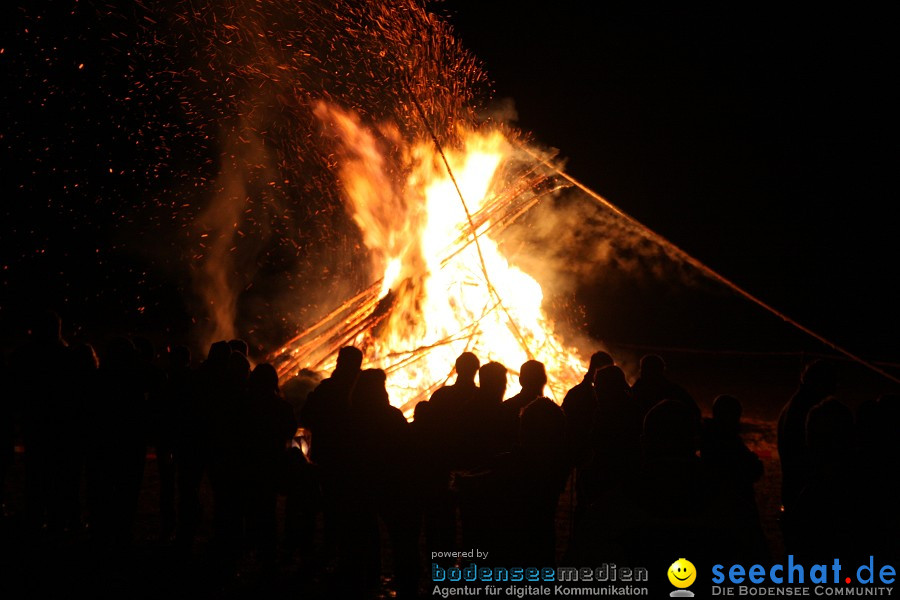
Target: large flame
447, 291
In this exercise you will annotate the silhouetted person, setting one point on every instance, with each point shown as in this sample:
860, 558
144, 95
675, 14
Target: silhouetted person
730, 463
194, 439
123, 421
239, 346
228, 466
653, 387
431, 477
616, 433
448, 405
375, 482
724, 453
302, 504
674, 489
483, 420
825, 516
325, 415
447, 445
296, 390
579, 406
533, 378
302, 488
171, 403
449, 399
817, 383
672, 497
327, 407
509, 504
153, 378
270, 427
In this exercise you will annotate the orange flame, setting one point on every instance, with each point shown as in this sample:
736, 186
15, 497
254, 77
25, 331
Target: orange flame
451, 292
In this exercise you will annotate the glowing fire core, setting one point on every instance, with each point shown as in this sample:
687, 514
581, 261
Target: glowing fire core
445, 287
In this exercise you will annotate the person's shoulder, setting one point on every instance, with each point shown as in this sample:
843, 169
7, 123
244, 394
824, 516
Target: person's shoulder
322, 388
396, 413
512, 400
393, 417
577, 393
785, 411
516, 403
325, 384
315, 402
441, 393
579, 388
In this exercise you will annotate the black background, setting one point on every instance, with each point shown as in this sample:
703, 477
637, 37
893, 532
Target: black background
762, 142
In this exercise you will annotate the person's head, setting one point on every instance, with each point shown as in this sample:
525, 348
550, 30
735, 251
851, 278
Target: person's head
598, 361
652, 365
467, 366
239, 346
349, 360
726, 411
238, 369
370, 389
492, 380
264, 380
218, 353
820, 375
533, 376
669, 431
542, 425
610, 380
423, 412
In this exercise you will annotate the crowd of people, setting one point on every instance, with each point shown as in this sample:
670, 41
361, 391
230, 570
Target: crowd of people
473, 469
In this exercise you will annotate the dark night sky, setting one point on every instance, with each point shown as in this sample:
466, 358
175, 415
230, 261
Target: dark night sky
765, 144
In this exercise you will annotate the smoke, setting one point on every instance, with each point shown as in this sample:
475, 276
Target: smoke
227, 222
271, 246
569, 241
500, 110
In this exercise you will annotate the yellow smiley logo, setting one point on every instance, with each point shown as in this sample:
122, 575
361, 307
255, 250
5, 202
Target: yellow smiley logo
682, 573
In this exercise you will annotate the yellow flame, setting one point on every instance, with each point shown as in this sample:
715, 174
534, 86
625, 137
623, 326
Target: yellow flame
449, 297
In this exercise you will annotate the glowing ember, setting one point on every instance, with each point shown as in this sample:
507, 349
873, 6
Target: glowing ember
442, 292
